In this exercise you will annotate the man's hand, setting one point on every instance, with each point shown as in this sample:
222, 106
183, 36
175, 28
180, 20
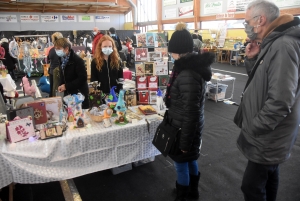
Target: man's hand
184, 151
252, 49
62, 88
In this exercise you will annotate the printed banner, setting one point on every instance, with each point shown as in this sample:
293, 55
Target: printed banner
169, 2
68, 18
184, 1
49, 18
8, 18
186, 11
225, 15
171, 13
30, 18
213, 7
85, 18
102, 18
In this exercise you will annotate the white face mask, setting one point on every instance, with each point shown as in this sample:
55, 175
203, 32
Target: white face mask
95, 33
107, 50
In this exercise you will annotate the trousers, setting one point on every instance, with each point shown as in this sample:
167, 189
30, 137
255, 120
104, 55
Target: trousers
184, 170
260, 182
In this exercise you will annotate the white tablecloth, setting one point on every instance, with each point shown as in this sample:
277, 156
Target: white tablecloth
77, 153
9, 85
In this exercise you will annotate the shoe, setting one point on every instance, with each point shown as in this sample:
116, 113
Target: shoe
193, 188
182, 192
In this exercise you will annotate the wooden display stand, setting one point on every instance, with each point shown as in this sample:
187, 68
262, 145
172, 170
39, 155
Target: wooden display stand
88, 67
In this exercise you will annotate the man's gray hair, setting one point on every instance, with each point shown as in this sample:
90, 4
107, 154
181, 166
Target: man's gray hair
267, 8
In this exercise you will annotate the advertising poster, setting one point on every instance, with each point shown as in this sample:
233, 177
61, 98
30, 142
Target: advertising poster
186, 11
68, 18
169, 2
171, 13
8, 18
29, 18
213, 7
85, 18
49, 18
99, 18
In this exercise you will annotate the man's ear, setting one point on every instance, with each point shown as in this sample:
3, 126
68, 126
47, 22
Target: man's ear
262, 20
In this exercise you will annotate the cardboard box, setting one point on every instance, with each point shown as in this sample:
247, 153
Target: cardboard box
218, 96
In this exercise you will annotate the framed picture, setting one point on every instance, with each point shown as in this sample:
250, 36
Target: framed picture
154, 56
141, 54
150, 39
163, 50
139, 69
149, 68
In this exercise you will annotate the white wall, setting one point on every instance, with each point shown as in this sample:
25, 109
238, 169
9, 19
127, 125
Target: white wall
116, 20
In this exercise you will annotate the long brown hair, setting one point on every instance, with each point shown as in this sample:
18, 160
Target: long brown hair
99, 56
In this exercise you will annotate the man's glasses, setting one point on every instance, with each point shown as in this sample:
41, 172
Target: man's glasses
247, 22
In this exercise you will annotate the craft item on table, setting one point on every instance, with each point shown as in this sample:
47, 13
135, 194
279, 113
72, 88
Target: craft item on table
159, 100
74, 105
29, 90
112, 97
131, 115
21, 112
44, 84
96, 113
152, 83
147, 109
53, 107
39, 110
52, 130
19, 129
141, 83
106, 117
130, 97
121, 108
96, 96
79, 122
143, 97
120, 81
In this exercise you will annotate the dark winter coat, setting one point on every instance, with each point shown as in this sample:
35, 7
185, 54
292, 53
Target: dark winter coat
74, 76
107, 76
187, 97
54, 60
9, 61
271, 102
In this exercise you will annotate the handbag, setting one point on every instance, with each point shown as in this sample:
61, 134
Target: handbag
165, 135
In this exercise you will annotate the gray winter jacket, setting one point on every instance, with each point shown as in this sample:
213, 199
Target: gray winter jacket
271, 102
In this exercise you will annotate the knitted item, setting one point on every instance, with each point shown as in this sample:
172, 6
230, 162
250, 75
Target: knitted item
181, 40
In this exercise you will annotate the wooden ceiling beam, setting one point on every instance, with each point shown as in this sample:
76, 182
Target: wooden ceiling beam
44, 8
88, 9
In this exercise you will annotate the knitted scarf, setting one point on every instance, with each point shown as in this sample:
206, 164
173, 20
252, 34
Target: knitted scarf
64, 61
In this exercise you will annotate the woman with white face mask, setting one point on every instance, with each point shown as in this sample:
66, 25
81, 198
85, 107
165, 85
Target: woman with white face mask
106, 66
73, 75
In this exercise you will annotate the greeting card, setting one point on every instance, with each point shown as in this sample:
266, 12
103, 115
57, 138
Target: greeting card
143, 97
141, 83
53, 107
21, 129
154, 56
152, 83
141, 40
139, 69
141, 54
40, 111
149, 68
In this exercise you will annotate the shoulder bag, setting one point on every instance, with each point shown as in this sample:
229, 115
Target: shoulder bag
165, 135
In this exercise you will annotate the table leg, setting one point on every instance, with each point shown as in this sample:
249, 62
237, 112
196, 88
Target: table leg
69, 190
11, 192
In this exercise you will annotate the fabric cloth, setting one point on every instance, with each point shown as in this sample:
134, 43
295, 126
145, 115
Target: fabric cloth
260, 182
181, 42
107, 76
95, 41
76, 153
271, 102
54, 60
9, 85
186, 107
74, 76
184, 170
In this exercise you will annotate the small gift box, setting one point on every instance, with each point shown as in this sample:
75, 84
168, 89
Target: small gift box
130, 97
141, 83
152, 83
53, 108
19, 129
52, 130
39, 110
143, 97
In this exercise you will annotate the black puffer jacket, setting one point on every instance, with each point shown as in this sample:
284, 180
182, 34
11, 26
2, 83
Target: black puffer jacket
74, 76
187, 97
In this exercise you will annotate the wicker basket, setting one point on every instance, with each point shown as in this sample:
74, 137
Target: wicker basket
96, 118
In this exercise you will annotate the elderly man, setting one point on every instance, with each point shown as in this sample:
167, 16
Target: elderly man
269, 111
97, 35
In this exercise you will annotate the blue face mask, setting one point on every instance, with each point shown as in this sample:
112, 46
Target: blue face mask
172, 60
60, 53
112, 34
107, 50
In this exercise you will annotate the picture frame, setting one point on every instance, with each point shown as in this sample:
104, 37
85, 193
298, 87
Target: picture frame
149, 68
141, 54
154, 56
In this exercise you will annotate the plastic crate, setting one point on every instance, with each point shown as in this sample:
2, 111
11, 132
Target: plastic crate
212, 88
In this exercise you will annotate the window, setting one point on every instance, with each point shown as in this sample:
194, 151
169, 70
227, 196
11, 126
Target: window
230, 24
128, 17
146, 10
